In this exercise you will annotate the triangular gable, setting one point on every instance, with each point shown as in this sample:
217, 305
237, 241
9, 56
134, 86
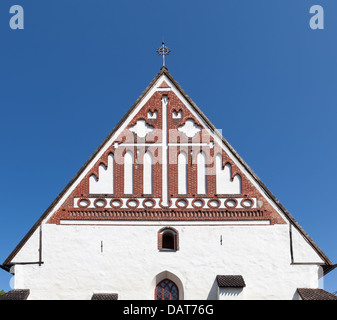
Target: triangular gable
188, 168
163, 137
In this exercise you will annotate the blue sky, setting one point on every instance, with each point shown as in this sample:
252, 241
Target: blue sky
254, 67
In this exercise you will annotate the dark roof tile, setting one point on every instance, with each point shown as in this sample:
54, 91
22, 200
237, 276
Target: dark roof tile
230, 281
315, 294
104, 296
16, 295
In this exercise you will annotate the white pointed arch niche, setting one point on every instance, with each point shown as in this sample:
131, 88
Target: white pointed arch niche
201, 173
224, 182
128, 173
148, 173
182, 173
104, 183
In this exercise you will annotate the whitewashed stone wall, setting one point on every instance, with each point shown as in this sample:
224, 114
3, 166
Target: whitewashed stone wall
131, 265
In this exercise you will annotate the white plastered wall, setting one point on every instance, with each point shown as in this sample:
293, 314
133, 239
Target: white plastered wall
75, 268
302, 252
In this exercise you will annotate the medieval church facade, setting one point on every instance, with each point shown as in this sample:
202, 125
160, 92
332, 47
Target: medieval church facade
166, 209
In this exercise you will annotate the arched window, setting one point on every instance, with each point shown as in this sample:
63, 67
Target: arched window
167, 290
168, 239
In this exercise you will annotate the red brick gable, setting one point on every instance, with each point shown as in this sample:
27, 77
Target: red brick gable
164, 85
187, 133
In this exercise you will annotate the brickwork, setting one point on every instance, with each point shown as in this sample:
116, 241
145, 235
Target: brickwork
175, 106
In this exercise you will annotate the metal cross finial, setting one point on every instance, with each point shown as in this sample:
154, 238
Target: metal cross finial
163, 51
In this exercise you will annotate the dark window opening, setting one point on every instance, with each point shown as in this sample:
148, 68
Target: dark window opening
168, 241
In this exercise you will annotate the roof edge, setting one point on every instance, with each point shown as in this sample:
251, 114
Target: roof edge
329, 268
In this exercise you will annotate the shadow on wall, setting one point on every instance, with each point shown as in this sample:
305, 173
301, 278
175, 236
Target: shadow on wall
217, 293
213, 293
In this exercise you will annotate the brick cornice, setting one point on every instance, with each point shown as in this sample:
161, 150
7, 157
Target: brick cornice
162, 214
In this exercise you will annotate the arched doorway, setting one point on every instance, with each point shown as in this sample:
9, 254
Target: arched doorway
166, 290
